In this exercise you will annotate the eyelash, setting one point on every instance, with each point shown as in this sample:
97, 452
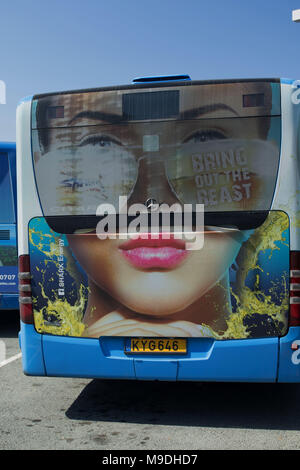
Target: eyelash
98, 140
201, 136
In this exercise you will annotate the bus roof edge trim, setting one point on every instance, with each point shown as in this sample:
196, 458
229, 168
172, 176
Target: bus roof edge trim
162, 78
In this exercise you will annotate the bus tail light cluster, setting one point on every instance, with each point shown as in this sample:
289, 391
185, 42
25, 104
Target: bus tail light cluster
25, 299
294, 289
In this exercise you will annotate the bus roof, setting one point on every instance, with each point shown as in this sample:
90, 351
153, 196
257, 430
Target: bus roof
157, 83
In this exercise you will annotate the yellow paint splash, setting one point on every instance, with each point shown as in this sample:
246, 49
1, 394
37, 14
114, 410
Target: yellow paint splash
256, 301
67, 319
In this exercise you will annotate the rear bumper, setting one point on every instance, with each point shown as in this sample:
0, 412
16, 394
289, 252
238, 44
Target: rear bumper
9, 301
255, 360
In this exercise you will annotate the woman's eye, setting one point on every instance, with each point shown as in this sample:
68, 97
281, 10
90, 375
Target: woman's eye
205, 136
101, 140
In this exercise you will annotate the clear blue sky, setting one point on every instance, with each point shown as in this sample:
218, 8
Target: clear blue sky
51, 45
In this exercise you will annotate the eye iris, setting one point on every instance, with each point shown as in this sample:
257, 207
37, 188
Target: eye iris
96, 140
205, 136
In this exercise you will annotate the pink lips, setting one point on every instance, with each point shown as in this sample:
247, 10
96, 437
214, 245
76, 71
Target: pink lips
154, 252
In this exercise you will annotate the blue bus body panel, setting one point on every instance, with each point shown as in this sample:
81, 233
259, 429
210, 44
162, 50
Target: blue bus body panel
254, 360
32, 353
289, 360
9, 296
84, 357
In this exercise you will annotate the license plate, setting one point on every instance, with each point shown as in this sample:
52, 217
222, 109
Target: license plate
156, 345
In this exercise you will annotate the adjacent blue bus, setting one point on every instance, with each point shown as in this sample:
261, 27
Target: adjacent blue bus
119, 277
9, 296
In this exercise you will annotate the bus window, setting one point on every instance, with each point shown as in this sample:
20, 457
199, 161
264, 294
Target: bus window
212, 149
7, 213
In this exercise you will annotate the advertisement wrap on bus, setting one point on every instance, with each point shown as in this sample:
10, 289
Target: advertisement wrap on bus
110, 286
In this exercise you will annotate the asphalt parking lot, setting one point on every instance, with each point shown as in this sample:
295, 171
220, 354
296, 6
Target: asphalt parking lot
59, 413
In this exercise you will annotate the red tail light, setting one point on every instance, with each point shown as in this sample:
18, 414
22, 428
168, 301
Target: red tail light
295, 288
25, 299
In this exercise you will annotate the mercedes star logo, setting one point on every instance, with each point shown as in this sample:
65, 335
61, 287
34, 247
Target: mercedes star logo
152, 204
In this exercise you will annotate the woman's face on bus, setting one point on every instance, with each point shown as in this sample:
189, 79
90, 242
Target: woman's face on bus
155, 277
160, 277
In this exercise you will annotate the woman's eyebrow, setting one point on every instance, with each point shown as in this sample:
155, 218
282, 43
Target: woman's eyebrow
196, 112
114, 118
98, 116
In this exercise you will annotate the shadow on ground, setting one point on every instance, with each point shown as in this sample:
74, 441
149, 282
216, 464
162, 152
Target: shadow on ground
9, 323
228, 405
253, 406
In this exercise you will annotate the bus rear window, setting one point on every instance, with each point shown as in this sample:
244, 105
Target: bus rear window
7, 213
212, 144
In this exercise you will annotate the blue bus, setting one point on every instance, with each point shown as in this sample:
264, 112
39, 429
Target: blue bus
9, 295
159, 234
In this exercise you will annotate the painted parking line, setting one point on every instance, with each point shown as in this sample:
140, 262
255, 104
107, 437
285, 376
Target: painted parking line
11, 359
